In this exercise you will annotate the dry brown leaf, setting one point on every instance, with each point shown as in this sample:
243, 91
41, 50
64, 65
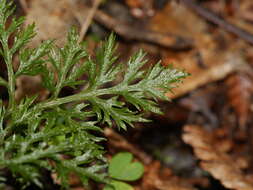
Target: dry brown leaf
53, 19
156, 178
239, 94
245, 11
213, 57
219, 65
243, 16
218, 163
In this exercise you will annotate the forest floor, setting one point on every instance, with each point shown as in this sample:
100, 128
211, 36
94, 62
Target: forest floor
204, 140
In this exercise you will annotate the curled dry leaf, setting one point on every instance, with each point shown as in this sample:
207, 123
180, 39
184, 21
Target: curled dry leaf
239, 94
218, 163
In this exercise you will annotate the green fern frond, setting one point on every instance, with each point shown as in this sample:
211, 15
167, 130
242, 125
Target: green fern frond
62, 134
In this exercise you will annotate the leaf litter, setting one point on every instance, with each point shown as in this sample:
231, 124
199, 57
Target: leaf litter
212, 56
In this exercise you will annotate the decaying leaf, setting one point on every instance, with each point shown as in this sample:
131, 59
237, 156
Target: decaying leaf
245, 11
239, 94
213, 56
53, 19
218, 163
156, 178
218, 67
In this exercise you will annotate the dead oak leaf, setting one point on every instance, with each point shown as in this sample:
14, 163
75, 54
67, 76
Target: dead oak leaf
219, 164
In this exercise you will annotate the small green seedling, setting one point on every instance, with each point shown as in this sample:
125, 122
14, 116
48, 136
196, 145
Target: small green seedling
118, 185
122, 168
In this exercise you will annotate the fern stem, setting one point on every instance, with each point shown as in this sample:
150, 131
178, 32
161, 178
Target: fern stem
80, 97
72, 98
11, 76
61, 79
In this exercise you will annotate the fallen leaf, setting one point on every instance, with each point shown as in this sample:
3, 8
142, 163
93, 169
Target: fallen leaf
153, 179
239, 94
214, 55
218, 163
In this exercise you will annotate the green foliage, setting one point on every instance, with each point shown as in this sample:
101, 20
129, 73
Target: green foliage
118, 185
62, 134
122, 168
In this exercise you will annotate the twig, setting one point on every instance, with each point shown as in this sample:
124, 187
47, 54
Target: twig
210, 16
134, 33
89, 18
130, 32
